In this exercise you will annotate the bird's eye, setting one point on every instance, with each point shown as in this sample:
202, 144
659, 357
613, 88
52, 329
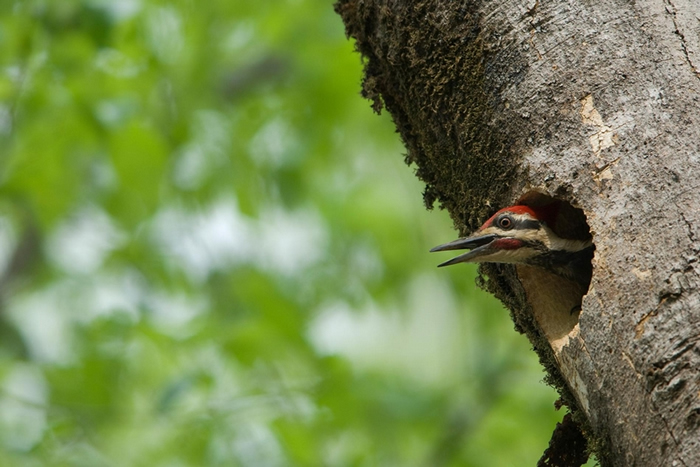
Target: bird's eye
505, 222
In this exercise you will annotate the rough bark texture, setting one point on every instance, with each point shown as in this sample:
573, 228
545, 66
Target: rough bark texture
590, 102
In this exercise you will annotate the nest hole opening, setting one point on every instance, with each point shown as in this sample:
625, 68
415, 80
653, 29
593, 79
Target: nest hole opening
556, 301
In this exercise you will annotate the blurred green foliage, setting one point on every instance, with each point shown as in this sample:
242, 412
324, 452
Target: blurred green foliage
212, 254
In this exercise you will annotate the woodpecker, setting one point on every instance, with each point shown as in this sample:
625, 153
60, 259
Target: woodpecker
524, 235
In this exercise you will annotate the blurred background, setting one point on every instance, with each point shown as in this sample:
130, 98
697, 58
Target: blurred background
212, 253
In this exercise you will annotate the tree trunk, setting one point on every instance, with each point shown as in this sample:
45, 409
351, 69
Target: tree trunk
594, 103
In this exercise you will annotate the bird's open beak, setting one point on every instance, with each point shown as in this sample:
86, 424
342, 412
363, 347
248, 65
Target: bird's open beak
479, 246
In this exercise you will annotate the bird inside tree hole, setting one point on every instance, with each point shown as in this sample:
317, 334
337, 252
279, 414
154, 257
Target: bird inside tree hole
549, 242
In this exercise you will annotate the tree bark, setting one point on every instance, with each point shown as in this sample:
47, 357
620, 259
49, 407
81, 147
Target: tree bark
594, 103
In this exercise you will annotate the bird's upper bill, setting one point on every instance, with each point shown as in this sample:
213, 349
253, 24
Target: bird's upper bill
484, 248
504, 238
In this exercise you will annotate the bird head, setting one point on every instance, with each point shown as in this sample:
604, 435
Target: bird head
520, 235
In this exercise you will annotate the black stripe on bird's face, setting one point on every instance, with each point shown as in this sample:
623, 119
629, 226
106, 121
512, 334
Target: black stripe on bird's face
528, 224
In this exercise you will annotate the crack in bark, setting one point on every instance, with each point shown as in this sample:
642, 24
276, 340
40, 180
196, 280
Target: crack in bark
689, 225
648, 392
686, 345
683, 347
651, 402
668, 429
639, 328
628, 359
672, 12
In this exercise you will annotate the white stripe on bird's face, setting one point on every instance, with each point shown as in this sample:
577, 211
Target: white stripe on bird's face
541, 234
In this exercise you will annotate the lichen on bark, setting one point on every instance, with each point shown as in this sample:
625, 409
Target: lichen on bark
429, 74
